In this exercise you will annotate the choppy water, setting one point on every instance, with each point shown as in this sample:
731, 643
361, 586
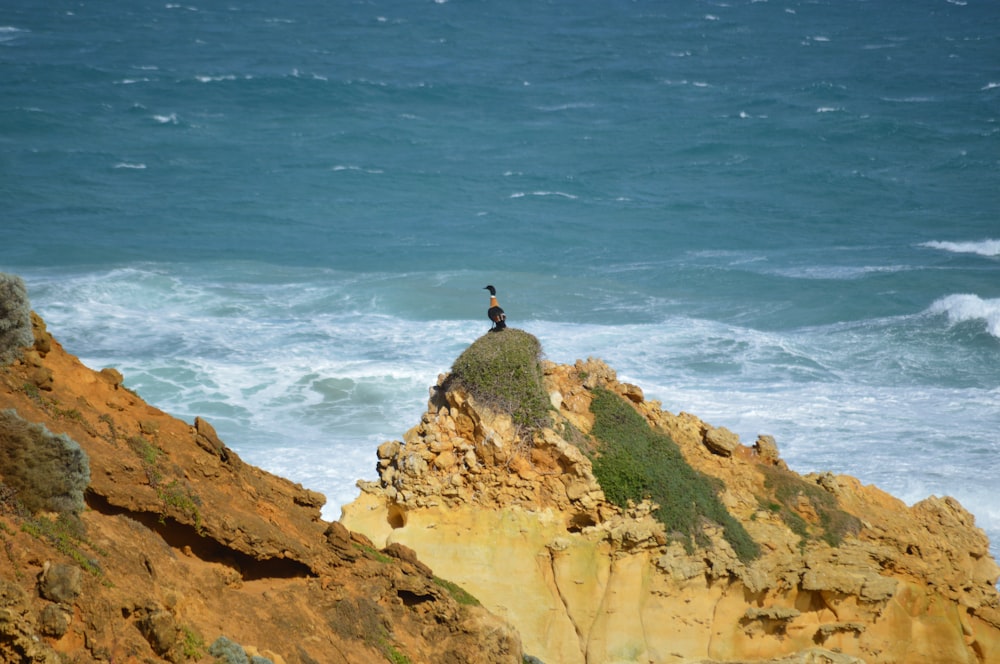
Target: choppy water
780, 216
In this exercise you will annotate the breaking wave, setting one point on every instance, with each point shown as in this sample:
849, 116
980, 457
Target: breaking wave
983, 247
963, 308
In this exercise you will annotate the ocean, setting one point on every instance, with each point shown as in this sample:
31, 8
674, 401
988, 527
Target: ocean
782, 216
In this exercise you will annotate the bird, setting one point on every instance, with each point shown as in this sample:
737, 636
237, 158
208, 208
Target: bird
495, 313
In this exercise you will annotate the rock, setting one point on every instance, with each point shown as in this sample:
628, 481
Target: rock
53, 621
41, 377
160, 630
766, 450
388, 449
632, 392
406, 554
206, 437
721, 441
43, 340
445, 461
112, 376
60, 583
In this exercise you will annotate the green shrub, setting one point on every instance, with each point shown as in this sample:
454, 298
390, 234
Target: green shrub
788, 487
634, 462
192, 643
15, 318
49, 472
394, 656
503, 371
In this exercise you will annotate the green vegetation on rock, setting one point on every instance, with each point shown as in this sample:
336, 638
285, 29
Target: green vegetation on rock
635, 462
503, 371
457, 592
789, 489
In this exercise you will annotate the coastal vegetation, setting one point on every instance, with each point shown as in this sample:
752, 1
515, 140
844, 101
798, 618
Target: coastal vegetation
503, 371
48, 472
789, 490
633, 462
15, 318
44, 479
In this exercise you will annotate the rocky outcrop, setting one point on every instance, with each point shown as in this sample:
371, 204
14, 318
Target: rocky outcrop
183, 551
525, 526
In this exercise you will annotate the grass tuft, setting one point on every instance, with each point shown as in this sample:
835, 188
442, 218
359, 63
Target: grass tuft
457, 592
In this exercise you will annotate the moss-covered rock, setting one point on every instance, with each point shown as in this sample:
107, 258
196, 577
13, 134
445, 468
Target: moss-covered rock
503, 371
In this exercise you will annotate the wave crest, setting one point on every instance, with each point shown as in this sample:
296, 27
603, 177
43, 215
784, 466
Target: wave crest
982, 247
962, 308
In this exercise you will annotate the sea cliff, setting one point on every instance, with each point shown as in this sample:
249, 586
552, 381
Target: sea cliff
129, 535
835, 572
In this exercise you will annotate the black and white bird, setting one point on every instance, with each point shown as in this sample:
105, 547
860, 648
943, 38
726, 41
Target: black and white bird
495, 313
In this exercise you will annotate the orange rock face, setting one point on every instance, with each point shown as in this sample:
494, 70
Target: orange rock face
182, 543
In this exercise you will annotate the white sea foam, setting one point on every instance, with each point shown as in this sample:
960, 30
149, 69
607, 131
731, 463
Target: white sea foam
9, 33
221, 77
982, 247
305, 372
166, 119
131, 165
836, 271
963, 308
566, 107
991, 86
358, 169
522, 194
908, 100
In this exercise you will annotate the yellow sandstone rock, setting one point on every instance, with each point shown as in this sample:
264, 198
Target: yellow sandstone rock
524, 526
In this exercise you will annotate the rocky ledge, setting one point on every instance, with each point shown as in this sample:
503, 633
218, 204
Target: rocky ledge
836, 572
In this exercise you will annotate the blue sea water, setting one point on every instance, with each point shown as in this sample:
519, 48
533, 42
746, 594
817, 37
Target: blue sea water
780, 215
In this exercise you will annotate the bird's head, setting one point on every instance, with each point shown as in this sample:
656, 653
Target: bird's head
493, 291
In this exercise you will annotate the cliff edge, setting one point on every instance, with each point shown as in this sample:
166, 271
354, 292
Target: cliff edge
720, 553
131, 536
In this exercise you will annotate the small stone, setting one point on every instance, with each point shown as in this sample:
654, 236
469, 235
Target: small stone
112, 376
388, 449
446, 461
